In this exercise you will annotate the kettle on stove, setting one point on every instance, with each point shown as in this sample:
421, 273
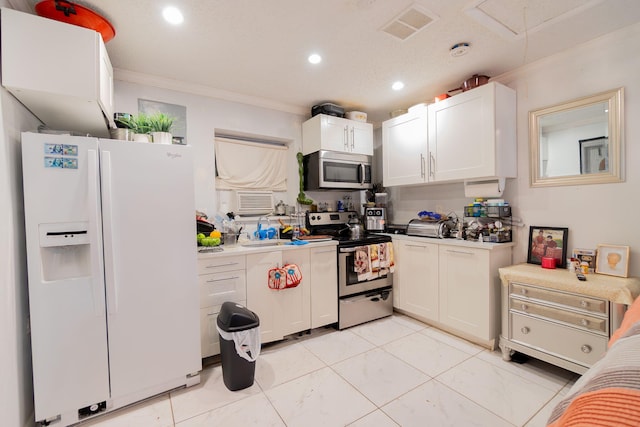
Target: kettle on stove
356, 230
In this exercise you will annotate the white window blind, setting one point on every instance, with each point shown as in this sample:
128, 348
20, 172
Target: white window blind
244, 165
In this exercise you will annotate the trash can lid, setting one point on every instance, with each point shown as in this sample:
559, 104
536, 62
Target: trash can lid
235, 317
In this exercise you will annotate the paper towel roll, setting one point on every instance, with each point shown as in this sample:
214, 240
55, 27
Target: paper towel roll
491, 188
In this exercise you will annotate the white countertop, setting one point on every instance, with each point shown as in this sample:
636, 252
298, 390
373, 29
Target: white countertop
238, 249
453, 242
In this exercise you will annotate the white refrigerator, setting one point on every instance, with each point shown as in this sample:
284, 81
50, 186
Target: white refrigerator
112, 266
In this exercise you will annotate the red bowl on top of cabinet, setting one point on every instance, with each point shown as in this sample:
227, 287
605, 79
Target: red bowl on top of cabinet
75, 14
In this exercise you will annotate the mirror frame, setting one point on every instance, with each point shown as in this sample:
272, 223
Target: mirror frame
615, 99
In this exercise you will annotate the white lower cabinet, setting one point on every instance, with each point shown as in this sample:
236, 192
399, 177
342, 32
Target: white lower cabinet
455, 287
324, 287
416, 278
469, 299
281, 312
220, 280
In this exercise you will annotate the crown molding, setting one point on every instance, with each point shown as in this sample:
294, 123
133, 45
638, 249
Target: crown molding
202, 90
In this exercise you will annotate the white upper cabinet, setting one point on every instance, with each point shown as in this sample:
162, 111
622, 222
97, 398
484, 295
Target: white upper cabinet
470, 136
323, 132
60, 72
473, 135
405, 149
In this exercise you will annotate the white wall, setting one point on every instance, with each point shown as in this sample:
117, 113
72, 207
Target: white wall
598, 213
204, 116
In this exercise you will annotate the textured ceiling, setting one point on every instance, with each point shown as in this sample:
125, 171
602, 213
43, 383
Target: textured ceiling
255, 50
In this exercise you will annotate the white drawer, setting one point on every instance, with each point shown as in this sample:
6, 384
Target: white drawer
568, 343
579, 319
220, 287
581, 302
216, 265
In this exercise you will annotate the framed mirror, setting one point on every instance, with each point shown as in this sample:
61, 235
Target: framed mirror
577, 142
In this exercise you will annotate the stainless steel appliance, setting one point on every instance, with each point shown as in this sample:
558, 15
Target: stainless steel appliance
332, 170
439, 229
359, 299
375, 219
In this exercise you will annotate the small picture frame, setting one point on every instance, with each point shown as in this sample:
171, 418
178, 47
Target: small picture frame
586, 255
548, 242
613, 260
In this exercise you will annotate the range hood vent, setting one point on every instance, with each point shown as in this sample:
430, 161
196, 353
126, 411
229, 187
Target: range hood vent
409, 22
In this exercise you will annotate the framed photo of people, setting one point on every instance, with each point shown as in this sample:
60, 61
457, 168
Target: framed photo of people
547, 242
613, 260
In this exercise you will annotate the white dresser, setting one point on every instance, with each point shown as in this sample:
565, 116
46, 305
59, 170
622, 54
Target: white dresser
550, 315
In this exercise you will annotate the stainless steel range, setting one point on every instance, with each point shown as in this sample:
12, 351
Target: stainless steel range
365, 290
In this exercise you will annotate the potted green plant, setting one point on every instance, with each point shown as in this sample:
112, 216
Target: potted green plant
139, 125
160, 126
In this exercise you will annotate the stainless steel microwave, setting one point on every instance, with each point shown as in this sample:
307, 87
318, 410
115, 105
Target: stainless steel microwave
325, 170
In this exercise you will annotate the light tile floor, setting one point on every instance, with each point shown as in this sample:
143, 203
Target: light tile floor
390, 372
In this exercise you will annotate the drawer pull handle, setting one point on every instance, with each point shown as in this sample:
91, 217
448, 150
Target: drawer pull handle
584, 303
525, 330
586, 348
451, 251
220, 265
222, 279
523, 291
524, 307
584, 322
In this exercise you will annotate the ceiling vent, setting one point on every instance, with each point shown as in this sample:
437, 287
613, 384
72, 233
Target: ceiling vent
409, 22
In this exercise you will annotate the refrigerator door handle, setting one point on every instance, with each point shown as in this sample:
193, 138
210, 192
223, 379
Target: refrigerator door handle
108, 235
95, 232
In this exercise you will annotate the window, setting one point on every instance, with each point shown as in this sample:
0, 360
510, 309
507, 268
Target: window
242, 164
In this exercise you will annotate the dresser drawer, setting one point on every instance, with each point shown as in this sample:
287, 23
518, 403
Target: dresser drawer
216, 265
220, 287
563, 341
595, 324
570, 300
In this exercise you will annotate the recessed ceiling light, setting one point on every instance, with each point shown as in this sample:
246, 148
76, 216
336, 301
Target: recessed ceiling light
172, 15
315, 58
397, 85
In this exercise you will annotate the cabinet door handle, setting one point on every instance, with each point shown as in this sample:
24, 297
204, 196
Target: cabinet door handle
452, 251
220, 265
417, 246
525, 330
353, 139
346, 138
432, 165
222, 279
421, 165
586, 348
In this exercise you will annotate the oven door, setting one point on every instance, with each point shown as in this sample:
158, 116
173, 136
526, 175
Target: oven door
348, 282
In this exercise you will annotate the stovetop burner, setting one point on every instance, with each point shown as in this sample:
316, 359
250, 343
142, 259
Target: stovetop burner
336, 224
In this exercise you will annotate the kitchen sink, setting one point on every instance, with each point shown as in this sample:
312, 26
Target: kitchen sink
263, 243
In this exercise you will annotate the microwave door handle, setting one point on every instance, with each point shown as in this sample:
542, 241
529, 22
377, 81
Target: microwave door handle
362, 173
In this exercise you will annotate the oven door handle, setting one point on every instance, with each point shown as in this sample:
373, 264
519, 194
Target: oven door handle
347, 250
